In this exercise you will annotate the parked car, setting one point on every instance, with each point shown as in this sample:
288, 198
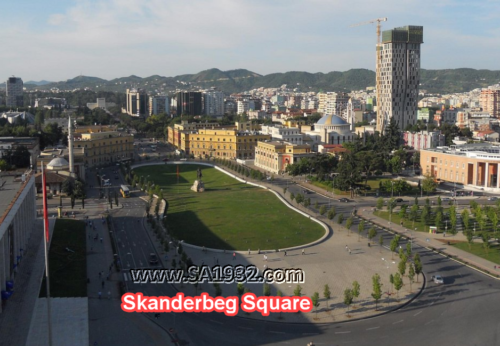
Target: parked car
492, 198
344, 200
438, 279
116, 177
153, 259
445, 199
399, 200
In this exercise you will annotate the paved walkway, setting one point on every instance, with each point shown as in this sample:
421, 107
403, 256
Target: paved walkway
436, 241
326, 263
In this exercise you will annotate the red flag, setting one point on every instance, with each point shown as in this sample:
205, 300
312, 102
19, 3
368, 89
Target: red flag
177, 171
45, 212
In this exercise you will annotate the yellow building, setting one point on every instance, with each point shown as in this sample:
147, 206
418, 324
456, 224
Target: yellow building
105, 147
276, 156
225, 143
175, 133
476, 165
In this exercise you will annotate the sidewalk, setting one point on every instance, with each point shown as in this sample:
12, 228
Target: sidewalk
434, 241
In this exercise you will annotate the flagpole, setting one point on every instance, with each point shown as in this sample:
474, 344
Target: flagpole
46, 241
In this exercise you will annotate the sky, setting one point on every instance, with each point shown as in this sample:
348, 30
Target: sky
58, 40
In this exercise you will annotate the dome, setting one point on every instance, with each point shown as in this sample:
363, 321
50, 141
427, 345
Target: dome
58, 163
331, 119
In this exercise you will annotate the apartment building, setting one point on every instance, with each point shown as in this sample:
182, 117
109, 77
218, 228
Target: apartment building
14, 92
137, 102
490, 101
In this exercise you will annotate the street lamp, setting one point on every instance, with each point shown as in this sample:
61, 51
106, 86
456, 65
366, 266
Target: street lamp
392, 189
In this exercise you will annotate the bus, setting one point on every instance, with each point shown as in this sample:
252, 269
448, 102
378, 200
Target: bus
124, 191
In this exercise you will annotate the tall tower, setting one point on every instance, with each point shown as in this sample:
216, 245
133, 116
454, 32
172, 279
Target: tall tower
70, 145
399, 74
14, 92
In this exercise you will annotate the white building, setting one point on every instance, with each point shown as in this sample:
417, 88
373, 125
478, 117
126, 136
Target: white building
331, 129
245, 105
13, 117
18, 213
14, 92
283, 133
423, 139
214, 102
100, 103
399, 76
158, 105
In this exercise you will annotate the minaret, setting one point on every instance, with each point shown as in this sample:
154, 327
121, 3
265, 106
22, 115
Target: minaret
70, 145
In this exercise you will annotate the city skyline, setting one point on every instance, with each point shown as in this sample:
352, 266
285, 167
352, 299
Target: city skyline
60, 40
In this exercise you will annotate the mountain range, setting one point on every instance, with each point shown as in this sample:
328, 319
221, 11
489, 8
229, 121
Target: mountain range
240, 80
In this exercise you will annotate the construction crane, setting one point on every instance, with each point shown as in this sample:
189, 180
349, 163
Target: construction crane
380, 116
378, 20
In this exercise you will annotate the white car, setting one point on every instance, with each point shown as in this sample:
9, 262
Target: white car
438, 279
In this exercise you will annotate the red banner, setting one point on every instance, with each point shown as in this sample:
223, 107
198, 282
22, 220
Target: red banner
45, 212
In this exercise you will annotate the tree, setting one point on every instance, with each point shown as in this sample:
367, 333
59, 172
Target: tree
240, 289
348, 224
327, 295
322, 210
83, 203
361, 228
331, 213
485, 236
307, 202
381, 242
67, 187
398, 284
299, 198
340, 219
355, 289
470, 238
348, 298
72, 202
292, 196
380, 203
411, 274
408, 249
315, 301
391, 280
297, 292
372, 233
418, 264
218, 289
284, 190
348, 173
394, 244
316, 205
116, 198
402, 267
429, 184
3, 165
377, 289
279, 294
60, 200
267, 290
414, 213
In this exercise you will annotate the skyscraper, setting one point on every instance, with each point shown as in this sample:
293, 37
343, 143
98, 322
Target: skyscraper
189, 103
399, 74
490, 101
158, 105
14, 94
214, 102
137, 102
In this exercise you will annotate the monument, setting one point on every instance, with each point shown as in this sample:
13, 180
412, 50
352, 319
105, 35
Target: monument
198, 185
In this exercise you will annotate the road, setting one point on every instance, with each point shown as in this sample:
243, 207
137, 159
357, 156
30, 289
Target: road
463, 311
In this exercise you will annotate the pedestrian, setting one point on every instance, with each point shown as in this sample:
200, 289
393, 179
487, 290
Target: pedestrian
109, 295
349, 251
100, 294
100, 274
249, 251
101, 240
102, 284
285, 253
234, 256
303, 251
346, 248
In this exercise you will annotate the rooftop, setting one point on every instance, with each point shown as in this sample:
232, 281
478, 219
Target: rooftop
11, 186
482, 150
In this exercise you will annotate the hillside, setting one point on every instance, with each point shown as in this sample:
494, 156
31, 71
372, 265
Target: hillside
240, 80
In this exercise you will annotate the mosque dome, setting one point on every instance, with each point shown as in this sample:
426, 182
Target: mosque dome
58, 164
331, 119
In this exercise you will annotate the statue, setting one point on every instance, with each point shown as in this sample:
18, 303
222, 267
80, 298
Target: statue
198, 173
198, 185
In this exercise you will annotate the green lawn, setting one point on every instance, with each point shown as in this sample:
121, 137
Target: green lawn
229, 214
477, 249
68, 270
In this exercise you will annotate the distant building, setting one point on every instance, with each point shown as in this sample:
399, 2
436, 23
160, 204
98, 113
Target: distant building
137, 102
50, 102
14, 92
332, 103
174, 134
189, 103
331, 129
104, 148
101, 103
274, 156
490, 101
214, 102
30, 143
230, 107
159, 105
291, 135
17, 224
399, 76
13, 117
423, 139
